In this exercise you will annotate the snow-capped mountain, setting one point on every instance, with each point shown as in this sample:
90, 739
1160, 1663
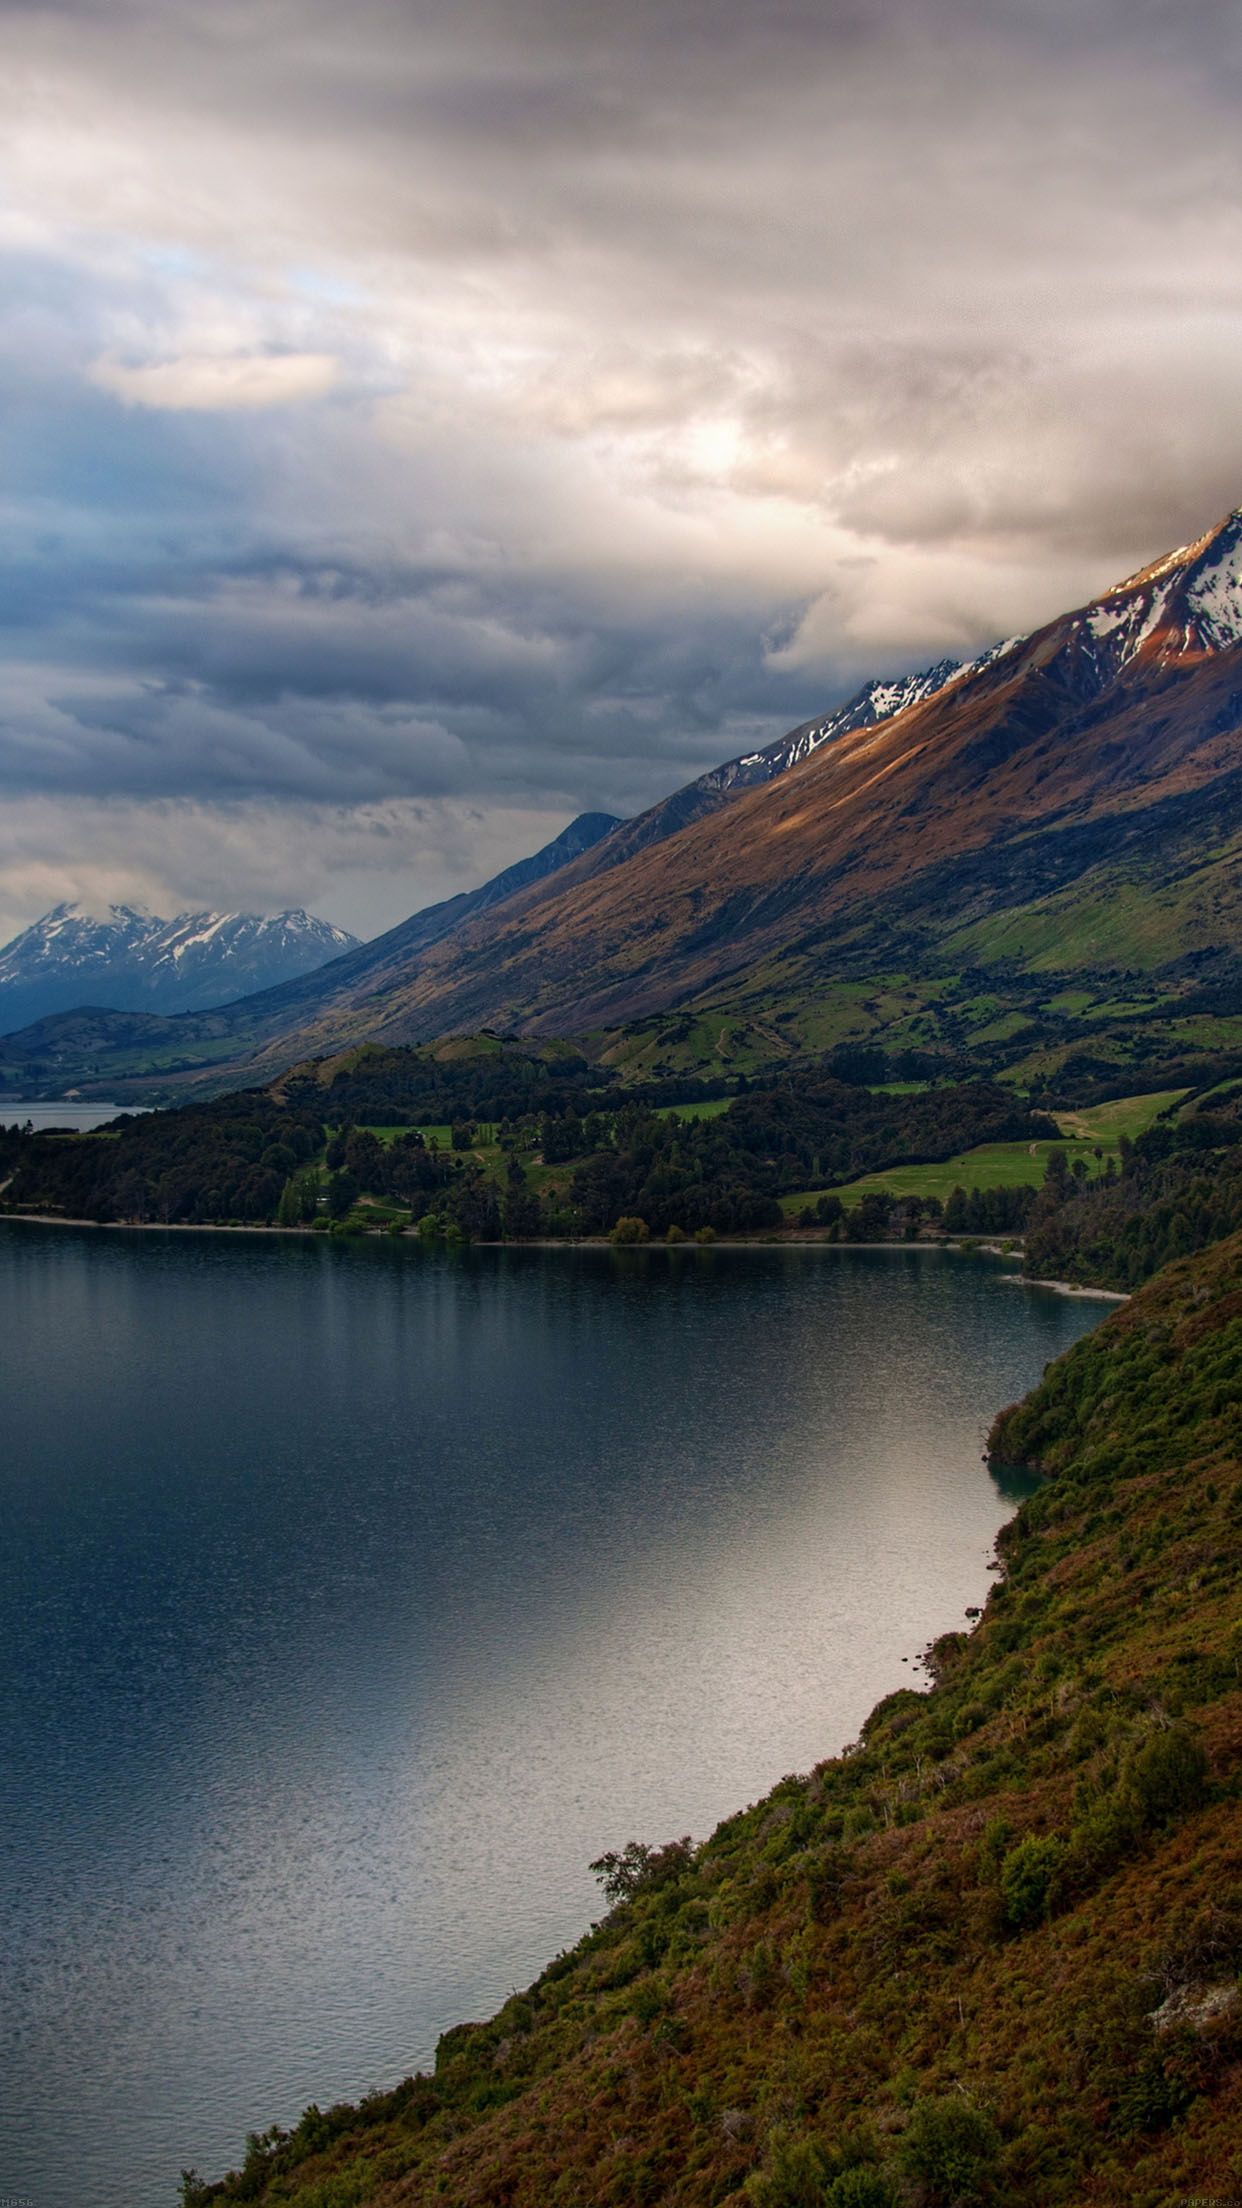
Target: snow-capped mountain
877, 701
132, 961
1112, 732
1189, 602
1184, 607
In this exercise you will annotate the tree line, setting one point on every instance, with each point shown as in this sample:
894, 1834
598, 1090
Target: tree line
296, 1153
1175, 1190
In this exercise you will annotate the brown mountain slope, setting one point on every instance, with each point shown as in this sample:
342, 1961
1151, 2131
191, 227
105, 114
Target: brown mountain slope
1049, 756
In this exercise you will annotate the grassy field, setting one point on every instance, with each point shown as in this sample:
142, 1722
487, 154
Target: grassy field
1010, 1164
1124, 1115
993, 1165
712, 1109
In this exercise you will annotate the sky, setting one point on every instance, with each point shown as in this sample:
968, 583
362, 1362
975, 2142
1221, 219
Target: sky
425, 420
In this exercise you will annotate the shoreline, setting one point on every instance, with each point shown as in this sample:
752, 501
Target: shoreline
769, 1241
582, 1242
1070, 1288
914, 1674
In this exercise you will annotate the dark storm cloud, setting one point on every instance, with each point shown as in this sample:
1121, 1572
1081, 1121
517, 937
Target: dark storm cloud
522, 407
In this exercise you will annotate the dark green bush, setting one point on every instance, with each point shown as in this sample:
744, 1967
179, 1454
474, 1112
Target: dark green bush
796, 2175
1027, 1875
861, 2188
950, 2149
1166, 1775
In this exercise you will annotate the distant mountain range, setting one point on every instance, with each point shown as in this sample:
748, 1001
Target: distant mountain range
1005, 857
129, 960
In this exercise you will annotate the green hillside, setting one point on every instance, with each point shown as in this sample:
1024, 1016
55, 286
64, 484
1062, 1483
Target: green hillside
1068, 1028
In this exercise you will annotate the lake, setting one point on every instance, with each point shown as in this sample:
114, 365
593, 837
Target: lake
18, 1111
354, 1597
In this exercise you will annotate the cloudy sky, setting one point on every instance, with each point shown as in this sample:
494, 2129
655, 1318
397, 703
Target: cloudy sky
427, 419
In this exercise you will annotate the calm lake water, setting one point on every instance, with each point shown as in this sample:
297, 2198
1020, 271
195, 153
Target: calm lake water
354, 1598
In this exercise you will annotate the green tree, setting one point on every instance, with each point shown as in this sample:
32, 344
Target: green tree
861, 2188
949, 2149
630, 1230
1027, 1876
342, 1194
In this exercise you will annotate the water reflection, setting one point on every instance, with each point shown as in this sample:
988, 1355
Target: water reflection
354, 1598
1013, 1482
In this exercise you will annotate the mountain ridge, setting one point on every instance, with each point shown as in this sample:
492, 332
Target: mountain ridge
1131, 700
1069, 802
598, 842
91, 1032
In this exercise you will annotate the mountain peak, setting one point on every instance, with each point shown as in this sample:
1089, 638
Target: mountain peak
1185, 604
131, 960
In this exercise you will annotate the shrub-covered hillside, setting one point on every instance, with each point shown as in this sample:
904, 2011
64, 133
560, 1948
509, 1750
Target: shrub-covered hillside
991, 1954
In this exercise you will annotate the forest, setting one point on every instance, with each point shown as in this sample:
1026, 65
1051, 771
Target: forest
505, 1144
307, 1151
1178, 1189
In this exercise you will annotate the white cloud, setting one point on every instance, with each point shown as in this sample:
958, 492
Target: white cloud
216, 383
365, 867
686, 365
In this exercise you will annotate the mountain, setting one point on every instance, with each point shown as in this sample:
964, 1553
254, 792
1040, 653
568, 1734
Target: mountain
93, 1041
91, 1044
134, 961
373, 964
877, 701
1069, 804
1033, 856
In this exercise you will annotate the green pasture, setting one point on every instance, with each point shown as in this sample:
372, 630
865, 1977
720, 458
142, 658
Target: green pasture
1122, 1115
712, 1109
1009, 1164
993, 1165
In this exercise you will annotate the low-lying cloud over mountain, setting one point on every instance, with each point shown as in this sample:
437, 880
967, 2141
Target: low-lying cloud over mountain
455, 417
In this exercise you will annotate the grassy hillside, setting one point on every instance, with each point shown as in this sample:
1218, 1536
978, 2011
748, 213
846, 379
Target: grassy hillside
1072, 1025
1093, 1136
991, 1954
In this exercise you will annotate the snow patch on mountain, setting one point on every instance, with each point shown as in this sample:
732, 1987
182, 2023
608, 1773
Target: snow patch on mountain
877, 701
1125, 627
1194, 593
1214, 592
